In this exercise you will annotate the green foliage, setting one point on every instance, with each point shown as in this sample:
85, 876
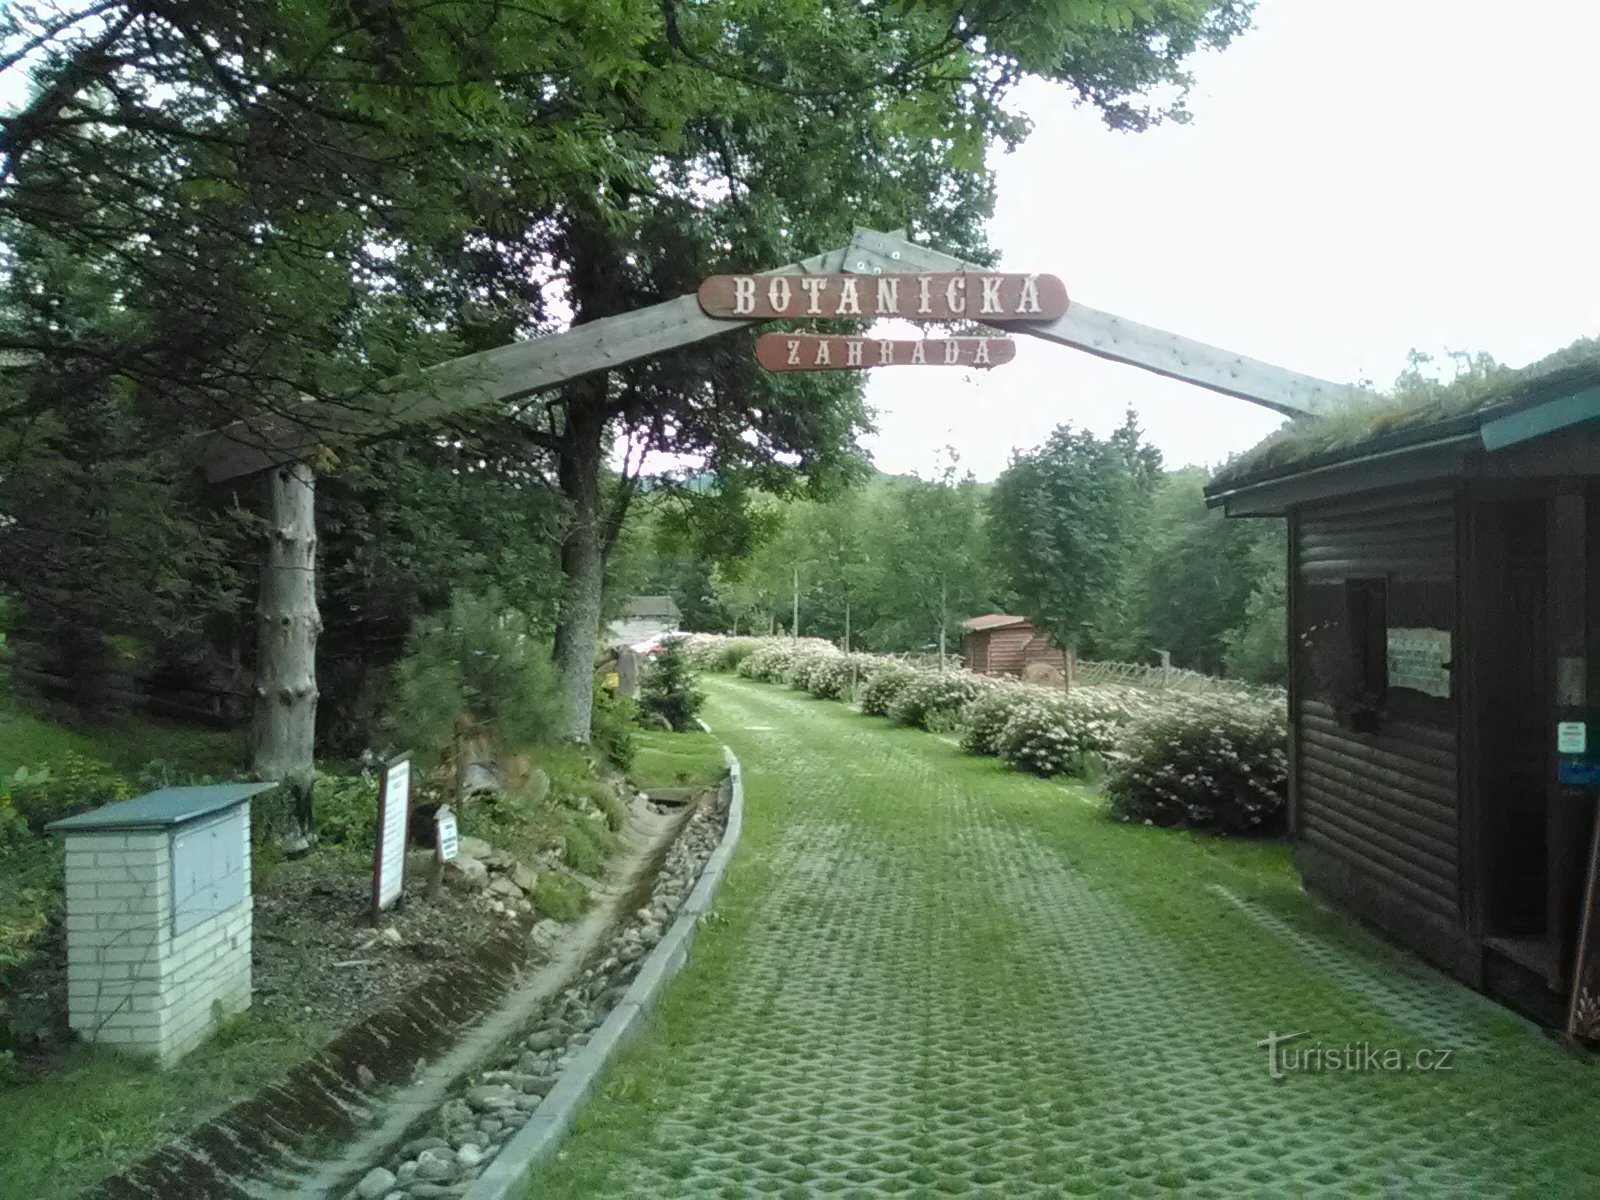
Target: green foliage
558, 897
933, 696
884, 688
1217, 766
1064, 516
985, 717
677, 759
347, 811
615, 726
668, 689
72, 785
1054, 737
480, 663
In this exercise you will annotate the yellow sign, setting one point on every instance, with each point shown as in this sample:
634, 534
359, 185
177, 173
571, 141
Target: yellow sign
613, 680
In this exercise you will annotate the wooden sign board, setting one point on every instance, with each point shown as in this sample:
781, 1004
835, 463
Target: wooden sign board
394, 817
947, 296
826, 352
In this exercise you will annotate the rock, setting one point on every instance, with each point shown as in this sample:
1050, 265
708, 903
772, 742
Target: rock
538, 786
466, 873
529, 1084
429, 1190
544, 1039
475, 848
375, 1183
499, 860
406, 1172
469, 1156
482, 777
525, 878
436, 1166
455, 1112
490, 1097
500, 885
364, 1075
529, 1103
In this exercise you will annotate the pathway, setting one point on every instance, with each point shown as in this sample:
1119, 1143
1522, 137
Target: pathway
930, 976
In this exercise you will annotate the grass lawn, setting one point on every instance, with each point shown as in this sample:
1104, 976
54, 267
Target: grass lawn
98, 1112
675, 759
29, 738
929, 975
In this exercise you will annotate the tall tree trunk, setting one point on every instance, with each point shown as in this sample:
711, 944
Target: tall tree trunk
286, 644
583, 565
794, 622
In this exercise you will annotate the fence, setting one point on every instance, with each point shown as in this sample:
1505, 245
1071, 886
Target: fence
1174, 679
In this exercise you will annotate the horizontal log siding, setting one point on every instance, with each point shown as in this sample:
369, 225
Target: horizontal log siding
1384, 806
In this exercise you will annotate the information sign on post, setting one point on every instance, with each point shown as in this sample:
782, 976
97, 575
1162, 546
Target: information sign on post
394, 815
449, 840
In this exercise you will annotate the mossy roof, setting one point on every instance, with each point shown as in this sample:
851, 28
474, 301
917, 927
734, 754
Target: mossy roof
1418, 412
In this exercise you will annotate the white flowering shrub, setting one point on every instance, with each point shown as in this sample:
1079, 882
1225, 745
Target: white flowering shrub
806, 663
934, 697
885, 687
768, 662
1216, 764
1054, 736
986, 715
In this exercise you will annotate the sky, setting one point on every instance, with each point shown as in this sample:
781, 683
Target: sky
1360, 177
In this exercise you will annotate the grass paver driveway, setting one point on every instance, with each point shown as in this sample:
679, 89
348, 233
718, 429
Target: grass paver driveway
927, 975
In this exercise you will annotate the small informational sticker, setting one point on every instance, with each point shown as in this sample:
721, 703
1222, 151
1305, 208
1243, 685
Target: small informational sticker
1420, 659
449, 840
1572, 737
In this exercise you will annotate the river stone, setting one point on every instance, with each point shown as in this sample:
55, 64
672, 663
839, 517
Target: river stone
428, 1190
375, 1183
502, 886
544, 1039
470, 1155
491, 1096
533, 1083
415, 1148
525, 878
436, 1166
406, 1172
467, 873
455, 1112
529, 1103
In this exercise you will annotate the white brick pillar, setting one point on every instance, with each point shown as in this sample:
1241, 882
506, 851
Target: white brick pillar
159, 917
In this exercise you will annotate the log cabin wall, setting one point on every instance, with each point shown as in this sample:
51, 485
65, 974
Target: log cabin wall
1375, 793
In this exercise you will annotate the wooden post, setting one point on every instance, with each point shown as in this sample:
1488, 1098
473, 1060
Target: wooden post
794, 627
287, 626
847, 626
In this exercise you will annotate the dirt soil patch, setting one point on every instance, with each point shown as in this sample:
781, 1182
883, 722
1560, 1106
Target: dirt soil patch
317, 955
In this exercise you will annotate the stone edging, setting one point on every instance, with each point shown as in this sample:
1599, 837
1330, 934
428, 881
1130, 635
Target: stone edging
508, 1175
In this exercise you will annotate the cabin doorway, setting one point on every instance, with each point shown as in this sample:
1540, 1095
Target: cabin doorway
1508, 735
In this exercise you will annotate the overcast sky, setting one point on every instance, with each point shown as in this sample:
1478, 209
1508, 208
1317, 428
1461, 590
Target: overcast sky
1361, 177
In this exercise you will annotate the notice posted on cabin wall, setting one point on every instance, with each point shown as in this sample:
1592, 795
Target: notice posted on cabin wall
1419, 659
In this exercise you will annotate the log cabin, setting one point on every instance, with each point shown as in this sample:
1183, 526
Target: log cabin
1443, 615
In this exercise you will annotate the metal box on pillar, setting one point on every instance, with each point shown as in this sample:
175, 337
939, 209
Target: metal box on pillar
159, 917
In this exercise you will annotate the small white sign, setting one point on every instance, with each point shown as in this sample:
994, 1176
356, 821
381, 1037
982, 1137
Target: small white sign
449, 842
1572, 737
1419, 659
395, 812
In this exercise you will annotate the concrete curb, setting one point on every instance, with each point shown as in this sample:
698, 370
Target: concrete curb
508, 1175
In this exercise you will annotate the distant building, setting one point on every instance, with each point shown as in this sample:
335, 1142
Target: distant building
1002, 644
644, 617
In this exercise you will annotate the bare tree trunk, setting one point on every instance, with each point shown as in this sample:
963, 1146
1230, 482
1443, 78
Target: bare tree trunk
286, 644
582, 556
847, 627
944, 619
794, 626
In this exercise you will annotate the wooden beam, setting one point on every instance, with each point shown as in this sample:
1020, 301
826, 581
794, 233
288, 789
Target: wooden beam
481, 380
1125, 341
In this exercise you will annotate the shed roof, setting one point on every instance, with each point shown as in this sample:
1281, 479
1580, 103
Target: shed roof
162, 808
991, 621
1445, 423
1421, 413
644, 607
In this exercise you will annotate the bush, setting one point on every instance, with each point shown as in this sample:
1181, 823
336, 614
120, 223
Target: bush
613, 722
347, 810
831, 676
768, 662
731, 652
934, 697
884, 688
805, 666
669, 691
1053, 737
479, 661
986, 715
40, 795
1215, 765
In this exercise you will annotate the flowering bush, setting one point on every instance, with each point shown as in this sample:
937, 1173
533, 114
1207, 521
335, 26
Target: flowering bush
934, 696
1216, 764
714, 652
806, 663
1053, 736
767, 662
986, 715
884, 688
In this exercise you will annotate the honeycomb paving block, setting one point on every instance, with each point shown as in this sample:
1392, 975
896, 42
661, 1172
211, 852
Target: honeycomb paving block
939, 991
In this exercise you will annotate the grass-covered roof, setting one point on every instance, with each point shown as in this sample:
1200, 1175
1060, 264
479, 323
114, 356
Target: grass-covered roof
1416, 407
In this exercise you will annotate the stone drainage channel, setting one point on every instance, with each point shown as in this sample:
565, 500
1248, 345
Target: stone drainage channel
484, 1143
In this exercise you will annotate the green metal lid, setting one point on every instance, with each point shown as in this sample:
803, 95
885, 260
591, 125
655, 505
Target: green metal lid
162, 809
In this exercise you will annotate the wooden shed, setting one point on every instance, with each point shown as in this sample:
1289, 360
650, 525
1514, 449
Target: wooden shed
1444, 609
1002, 644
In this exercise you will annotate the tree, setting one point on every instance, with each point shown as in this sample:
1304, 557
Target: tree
1064, 517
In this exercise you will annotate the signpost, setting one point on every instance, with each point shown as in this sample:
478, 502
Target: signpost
989, 296
394, 815
446, 845
825, 352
